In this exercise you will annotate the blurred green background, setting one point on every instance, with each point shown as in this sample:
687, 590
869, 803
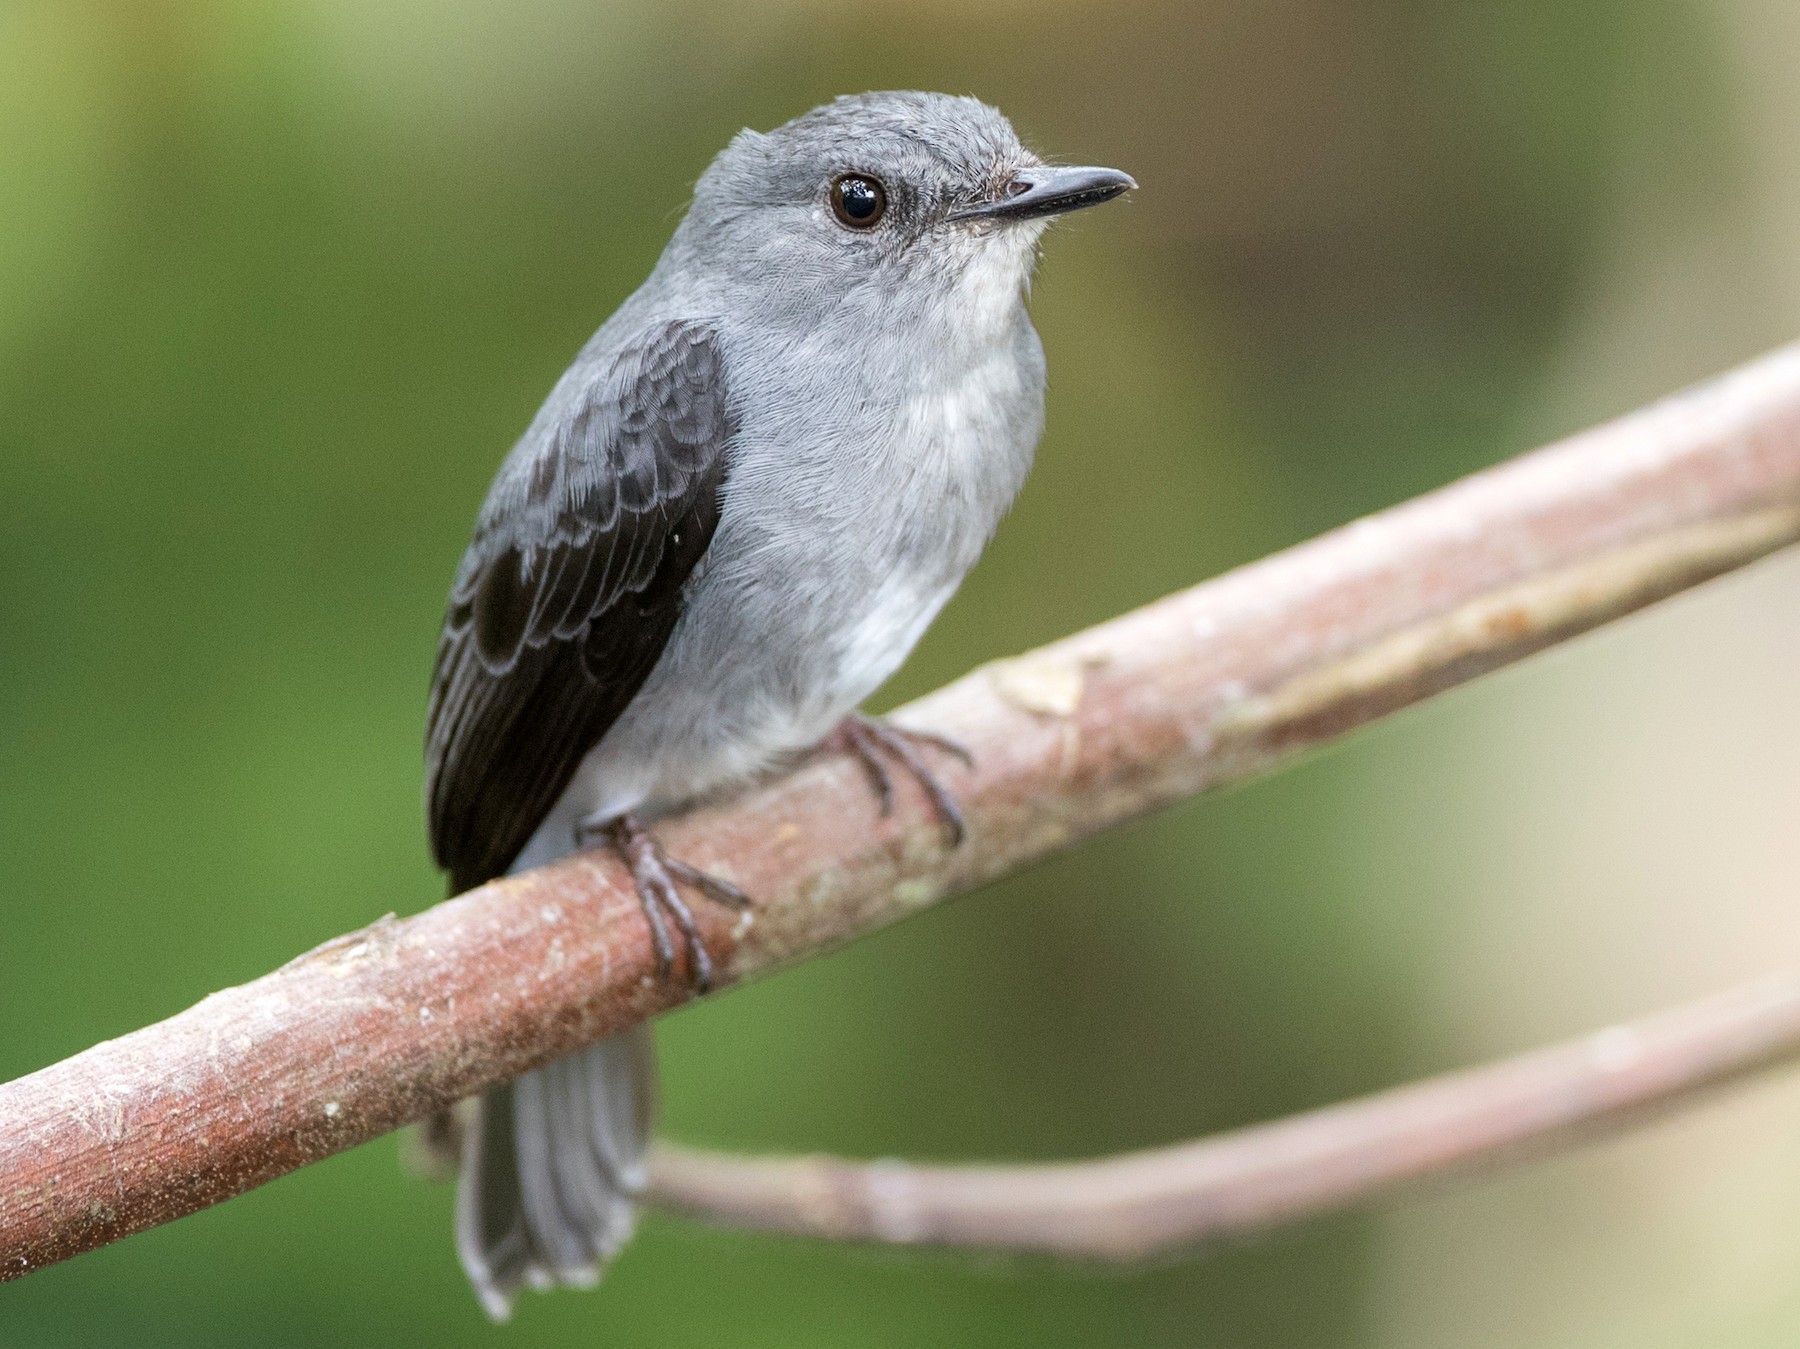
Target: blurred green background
280, 280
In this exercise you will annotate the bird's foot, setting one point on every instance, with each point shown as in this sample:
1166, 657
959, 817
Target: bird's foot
873, 742
656, 876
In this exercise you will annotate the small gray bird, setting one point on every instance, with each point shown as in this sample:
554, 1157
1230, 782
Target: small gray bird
727, 526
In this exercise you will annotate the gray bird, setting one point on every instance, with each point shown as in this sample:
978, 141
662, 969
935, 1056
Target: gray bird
727, 526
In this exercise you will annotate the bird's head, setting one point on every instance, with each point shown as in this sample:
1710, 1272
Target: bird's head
883, 202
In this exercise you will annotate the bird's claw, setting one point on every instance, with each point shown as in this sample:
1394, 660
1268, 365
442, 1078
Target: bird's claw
655, 876
871, 742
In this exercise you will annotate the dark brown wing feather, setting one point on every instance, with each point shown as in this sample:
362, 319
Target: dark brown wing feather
570, 590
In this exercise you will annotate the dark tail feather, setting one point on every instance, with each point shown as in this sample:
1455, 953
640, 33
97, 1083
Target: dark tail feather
550, 1165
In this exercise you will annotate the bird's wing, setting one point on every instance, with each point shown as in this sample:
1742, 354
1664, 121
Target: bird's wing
569, 592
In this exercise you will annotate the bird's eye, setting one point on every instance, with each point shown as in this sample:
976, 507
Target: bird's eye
858, 202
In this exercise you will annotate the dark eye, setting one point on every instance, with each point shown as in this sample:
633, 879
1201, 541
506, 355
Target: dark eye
858, 202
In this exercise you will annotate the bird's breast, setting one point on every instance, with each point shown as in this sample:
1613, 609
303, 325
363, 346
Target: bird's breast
867, 536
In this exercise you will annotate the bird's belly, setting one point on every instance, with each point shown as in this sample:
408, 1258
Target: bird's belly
750, 677
876, 643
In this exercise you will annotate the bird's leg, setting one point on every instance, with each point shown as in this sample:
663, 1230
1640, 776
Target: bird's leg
655, 874
872, 742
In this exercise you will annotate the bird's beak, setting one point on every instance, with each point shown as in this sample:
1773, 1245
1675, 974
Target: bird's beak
1049, 190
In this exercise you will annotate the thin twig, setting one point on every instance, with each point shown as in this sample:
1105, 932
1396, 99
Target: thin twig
1145, 1204
1210, 685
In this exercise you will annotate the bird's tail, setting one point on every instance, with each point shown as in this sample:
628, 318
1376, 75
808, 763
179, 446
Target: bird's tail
550, 1165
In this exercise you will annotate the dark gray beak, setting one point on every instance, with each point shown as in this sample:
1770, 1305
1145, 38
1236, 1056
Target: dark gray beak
1050, 190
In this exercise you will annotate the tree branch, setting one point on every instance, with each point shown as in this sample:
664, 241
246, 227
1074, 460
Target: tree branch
1210, 685
1144, 1204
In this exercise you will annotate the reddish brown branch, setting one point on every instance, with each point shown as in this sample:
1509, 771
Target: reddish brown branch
1143, 1204
387, 1025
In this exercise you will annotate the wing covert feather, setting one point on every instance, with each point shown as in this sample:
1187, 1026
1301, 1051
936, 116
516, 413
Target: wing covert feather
569, 591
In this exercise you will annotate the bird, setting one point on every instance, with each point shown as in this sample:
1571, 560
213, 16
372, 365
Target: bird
728, 524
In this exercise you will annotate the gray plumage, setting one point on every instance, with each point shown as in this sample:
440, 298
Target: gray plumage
730, 522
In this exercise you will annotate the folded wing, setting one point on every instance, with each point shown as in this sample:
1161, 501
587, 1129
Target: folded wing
569, 591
